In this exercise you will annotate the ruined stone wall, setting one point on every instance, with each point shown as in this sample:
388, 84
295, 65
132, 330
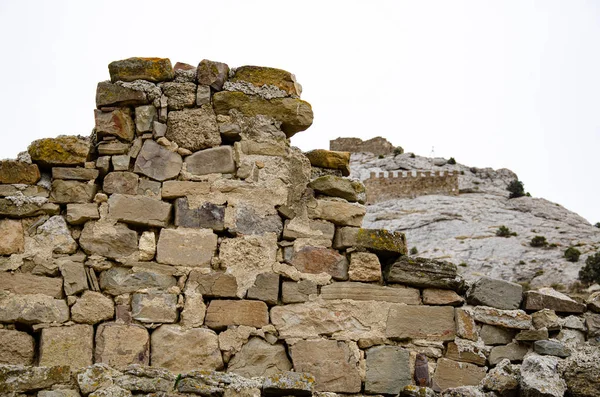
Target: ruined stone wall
378, 145
409, 184
186, 247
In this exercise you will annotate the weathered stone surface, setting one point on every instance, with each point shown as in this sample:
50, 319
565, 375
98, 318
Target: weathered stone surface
186, 247
513, 352
582, 371
540, 377
144, 118
119, 345
17, 378
213, 74
505, 318
573, 322
117, 123
223, 313
465, 324
465, 351
13, 171
548, 298
531, 335
546, 318
139, 210
111, 391
213, 285
179, 95
449, 373
495, 293
60, 151
92, 308
504, 378
121, 162
571, 338
593, 302
330, 159
64, 192
421, 372
110, 240
55, 233
260, 76
421, 322
551, 348
388, 370
72, 346
78, 214
297, 292
193, 129
294, 114
97, 376
76, 174
217, 160
154, 307
25, 190
12, 240
337, 211
157, 162
151, 69
137, 378
74, 277
259, 358
362, 292
317, 260
425, 273
121, 182
289, 384
417, 391
592, 321
492, 335
265, 288
179, 349
59, 393
207, 215
175, 189
16, 347
32, 309
113, 147
442, 297
333, 364
364, 266
27, 207
108, 94
244, 218
147, 246
25, 283
119, 280
336, 186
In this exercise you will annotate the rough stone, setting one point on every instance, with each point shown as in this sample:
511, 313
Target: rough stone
78, 214
265, 288
465, 351
193, 129
147, 246
186, 247
592, 321
16, 347
330, 159
492, 335
546, 318
364, 266
32, 309
61, 151
337, 211
74, 277
55, 233
121, 162
297, 292
548, 298
465, 324
179, 349
150, 69
12, 171
144, 118
332, 362
12, 240
212, 285
449, 373
540, 377
417, 391
223, 313
551, 348
441, 297
112, 148
119, 280
361, 292
317, 260
27, 208
110, 240
72, 346
207, 215
495, 293
336, 186
92, 308
513, 352
139, 210
17, 378
154, 307
259, 358
64, 192
260, 76
217, 160
194, 309
25, 284
213, 74
531, 335
388, 370
175, 189
421, 322
593, 302
157, 162
121, 182
117, 123
179, 95
505, 318
247, 219
76, 174
582, 371
424, 273
380, 241
59, 393
203, 96
504, 378
120, 345
108, 94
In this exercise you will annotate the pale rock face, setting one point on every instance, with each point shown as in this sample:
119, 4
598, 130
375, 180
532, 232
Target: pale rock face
364, 266
16, 347
56, 233
223, 313
186, 247
139, 210
113, 241
119, 280
32, 309
92, 308
449, 373
120, 345
147, 246
388, 370
259, 358
72, 346
64, 192
193, 129
157, 163
539, 376
12, 240
26, 284
154, 307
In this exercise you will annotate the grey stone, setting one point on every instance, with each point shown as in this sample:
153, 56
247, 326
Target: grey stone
59, 393
92, 308
531, 335
32, 309
259, 358
120, 345
76, 174
103, 164
150, 188
265, 288
119, 280
495, 293
217, 160
424, 273
452, 374
504, 378
517, 319
117, 123
78, 214
18, 378
64, 192
111, 148
72, 346
186, 247
108, 94
203, 95
548, 298
551, 348
157, 163
16, 347
361, 291
337, 187
74, 277
154, 307
289, 384
297, 292
55, 233
111, 391
213, 74
26, 284
247, 220
193, 129
139, 210
212, 285
159, 129
592, 321
121, 162
574, 322
593, 302
207, 215
513, 352
540, 377
582, 371
121, 182
108, 240
27, 208
388, 370
137, 378
144, 118
421, 322
179, 95
546, 318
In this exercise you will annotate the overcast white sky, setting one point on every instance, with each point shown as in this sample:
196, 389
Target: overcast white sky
504, 83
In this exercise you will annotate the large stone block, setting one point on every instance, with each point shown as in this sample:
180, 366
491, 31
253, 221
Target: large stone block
244, 218
75, 174
92, 308
330, 159
495, 293
61, 151
13, 171
449, 374
260, 358
117, 123
366, 292
122, 182
74, 277
32, 309
223, 313
335, 186
260, 76
179, 95
548, 298
108, 94
16, 347
317, 260
120, 345
492, 336
119, 280
388, 370
139, 210
157, 162
185, 349
364, 266
213, 284
151, 69
175, 189
265, 288
193, 129
337, 211
107, 239
424, 273
78, 214
12, 239
217, 160
64, 192
72, 346
541, 376
27, 284
517, 319
333, 364
17, 378
421, 322
513, 351
213, 74
30, 206
186, 247
154, 307
206, 215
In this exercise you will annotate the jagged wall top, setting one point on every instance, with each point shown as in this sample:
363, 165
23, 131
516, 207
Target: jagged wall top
378, 146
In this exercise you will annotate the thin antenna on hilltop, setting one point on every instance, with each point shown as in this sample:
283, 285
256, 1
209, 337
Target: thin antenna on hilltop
432, 152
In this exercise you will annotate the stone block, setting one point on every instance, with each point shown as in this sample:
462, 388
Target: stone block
74, 277
247, 219
75, 174
108, 94
60, 151
338, 211
421, 322
203, 96
186, 247
207, 215
92, 308
16, 347
17, 378
27, 284
27, 208
424, 273
531, 335
331, 362
13, 171
548, 298
551, 348
72, 346
541, 376
139, 210
117, 123
150, 69
185, 349
119, 345
212, 285
149, 188
154, 307
27, 191
175, 189
441, 297
546, 318
467, 352
297, 292
517, 319
465, 324
496, 293
513, 352
265, 288
218, 160
330, 159
157, 162
449, 374
364, 266
121, 162
179, 95
223, 313
147, 246
213, 74
78, 214
59, 393
365, 292
315, 260
388, 370
113, 148
109, 240
119, 280
336, 186
259, 76
64, 192
32, 309
260, 358
12, 240
145, 117
492, 335
193, 129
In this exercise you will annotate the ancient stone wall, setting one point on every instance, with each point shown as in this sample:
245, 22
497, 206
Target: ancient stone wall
378, 145
410, 184
186, 248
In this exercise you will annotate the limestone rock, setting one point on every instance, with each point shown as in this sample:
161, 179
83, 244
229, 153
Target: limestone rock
113, 148
592, 321
194, 310
218, 160
121, 182
465, 351
212, 285
17, 207
548, 298
582, 371
338, 212
76, 174
119, 345
74, 277
465, 324
265, 288
361, 291
176, 189
593, 302
517, 319
139, 210
147, 246
61, 151
193, 129
260, 76
317, 260
16, 347
223, 313
154, 307
388, 370
78, 214
32, 309
110, 240
551, 348
289, 384
421, 322
364, 266
17, 378
145, 117
72, 346
59, 393
119, 280
513, 352
495, 293
540, 377
207, 215
336, 186
259, 358
150, 69
12, 239
449, 373
244, 218
92, 308
12, 171
330, 159
546, 318
297, 292
117, 123
417, 391
108, 94
25, 284
434, 296
503, 378
180, 350
157, 162
424, 273
496, 335
333, 364
213, 74
186, 247
64, 192
179, 95
531, 335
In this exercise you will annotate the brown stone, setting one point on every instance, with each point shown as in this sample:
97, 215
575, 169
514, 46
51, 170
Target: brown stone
72, 346
175, 189
531, 335
465, 324
421, 322
365, 292
424, 273
61, 151
154, 307
106, 239
151, 69
513, 352
31, 379
297, 292
32, 309
205, 216
92, 308
517, 319
546, 318
186, 247
260, 76
388, 370
193, 129
213, 74
217, 160
11, 209
223, 313
121, 182
548, 298
259, 358
337, 211
317, 260
117, 123
78, 214
16, 347
12, 171
212, 285
265, 288
12, 240
139, 210
441, 297
157, 162
119, 345
108, 94
330, 159
449, 373
471, 354
119, 280
76, 174
74, 277
64, 192
364, 266
496, 335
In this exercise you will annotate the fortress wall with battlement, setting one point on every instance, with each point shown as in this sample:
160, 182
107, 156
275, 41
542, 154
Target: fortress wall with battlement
407, 184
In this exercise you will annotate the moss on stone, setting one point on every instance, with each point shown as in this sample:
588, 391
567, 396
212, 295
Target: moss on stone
381, 240
63, 150
151, 69
259, 76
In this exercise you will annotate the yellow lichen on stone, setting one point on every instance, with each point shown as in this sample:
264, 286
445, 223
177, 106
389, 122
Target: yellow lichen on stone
259, 76
63, 150
151, 69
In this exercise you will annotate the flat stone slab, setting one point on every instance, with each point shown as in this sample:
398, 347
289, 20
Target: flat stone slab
26, 284
109, 94
186, 247
388, 370
365, 292
139, 210
60, 151
223, 313
338, 211
548, 298
495, 293
12, 171
449, 373
218, 160
517, 319
421, 322
16, 347
32, 309
330, 159
424, 273
150, 69
72, 346
120, 345
105, 239
157, 162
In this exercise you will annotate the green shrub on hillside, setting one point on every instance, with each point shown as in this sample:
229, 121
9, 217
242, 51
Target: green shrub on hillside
538, 241
452, 161
572, 254
516, 189
591, 271
503, 231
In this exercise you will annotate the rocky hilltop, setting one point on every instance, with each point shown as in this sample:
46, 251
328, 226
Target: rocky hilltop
462, 229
